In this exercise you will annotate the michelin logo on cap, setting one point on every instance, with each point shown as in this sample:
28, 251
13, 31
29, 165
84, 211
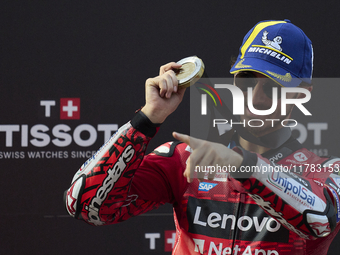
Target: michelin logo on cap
275, 44
271, 48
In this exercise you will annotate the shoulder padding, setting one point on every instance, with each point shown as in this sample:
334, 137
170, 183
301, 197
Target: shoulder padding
167, 149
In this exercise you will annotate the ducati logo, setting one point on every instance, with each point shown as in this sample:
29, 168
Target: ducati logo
300, 157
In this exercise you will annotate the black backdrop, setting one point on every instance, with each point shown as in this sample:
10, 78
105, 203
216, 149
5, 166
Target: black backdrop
100, 53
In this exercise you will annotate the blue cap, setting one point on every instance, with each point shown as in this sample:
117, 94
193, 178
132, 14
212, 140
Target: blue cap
278, 50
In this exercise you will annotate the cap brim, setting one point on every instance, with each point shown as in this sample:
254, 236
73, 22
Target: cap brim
268, 69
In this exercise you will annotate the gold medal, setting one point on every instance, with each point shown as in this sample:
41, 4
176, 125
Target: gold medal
192, 70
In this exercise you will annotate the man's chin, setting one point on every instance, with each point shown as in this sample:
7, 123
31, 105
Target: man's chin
257, 131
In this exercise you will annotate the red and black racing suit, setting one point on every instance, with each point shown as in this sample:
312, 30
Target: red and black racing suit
269, 212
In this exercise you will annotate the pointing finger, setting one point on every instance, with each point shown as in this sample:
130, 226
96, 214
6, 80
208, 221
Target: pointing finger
191, 141
181, 137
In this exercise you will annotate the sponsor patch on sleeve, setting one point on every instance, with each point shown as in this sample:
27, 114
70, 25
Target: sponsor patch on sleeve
206, 186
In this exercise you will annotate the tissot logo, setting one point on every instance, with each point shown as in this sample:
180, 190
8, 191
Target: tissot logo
60, 127
69, 108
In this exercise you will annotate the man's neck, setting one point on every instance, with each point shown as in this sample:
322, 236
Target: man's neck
252, 146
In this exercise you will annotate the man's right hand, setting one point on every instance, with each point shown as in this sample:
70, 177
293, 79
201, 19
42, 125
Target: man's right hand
162, 94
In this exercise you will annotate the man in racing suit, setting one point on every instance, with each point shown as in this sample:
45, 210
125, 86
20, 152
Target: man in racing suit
261, 212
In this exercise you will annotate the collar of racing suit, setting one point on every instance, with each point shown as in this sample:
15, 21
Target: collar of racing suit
288, 147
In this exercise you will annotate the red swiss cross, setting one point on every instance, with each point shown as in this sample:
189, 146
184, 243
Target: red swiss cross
169, 239
70, 108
